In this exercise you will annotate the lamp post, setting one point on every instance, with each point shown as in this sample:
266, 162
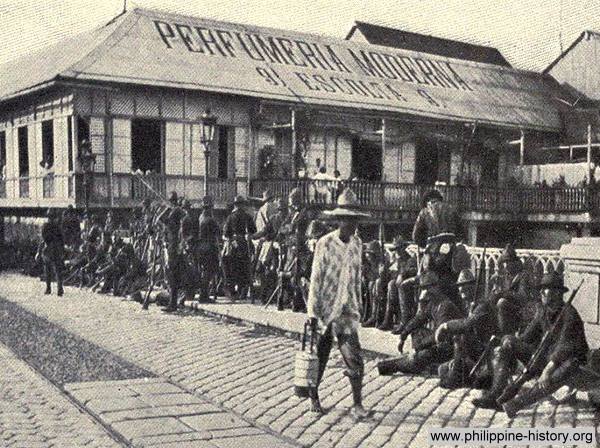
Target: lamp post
87, 160
208, 127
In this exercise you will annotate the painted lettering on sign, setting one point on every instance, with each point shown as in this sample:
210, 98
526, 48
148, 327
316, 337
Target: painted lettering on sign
279, 50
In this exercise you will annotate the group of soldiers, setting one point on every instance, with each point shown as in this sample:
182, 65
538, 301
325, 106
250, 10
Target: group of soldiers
469, 338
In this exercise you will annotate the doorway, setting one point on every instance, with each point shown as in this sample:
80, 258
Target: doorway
432, 161
367, 163
146, 145
489, 166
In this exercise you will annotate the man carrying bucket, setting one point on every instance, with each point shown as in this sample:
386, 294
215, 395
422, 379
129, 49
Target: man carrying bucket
334, 297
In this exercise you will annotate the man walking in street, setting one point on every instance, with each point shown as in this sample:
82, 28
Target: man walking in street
334, 298
53, 253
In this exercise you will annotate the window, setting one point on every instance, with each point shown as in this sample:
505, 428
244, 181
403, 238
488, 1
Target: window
2, 149
48, 143
23, 142
70, 143
222, 151
146, 145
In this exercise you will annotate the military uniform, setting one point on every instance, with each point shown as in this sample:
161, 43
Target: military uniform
470, 336
434, 310
171, 218
53, 252
568, 349
511, 293
208, 248
236, 256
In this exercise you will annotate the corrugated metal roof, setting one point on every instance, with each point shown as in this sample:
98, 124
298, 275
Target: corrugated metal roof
393, 37
156, 48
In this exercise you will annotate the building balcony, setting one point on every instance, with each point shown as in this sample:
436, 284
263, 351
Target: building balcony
400, 201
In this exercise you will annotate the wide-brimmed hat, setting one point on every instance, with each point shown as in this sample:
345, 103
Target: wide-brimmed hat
428, 279
431, 194
347, 205
508, 254
465, 277
553, 280
207, 202
239, 199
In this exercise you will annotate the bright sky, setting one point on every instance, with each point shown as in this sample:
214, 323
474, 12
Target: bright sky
527, 32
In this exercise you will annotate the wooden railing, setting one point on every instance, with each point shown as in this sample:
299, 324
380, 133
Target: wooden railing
128, 189
407, 197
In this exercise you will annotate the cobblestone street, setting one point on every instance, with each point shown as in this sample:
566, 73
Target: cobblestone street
249, 371
33, 413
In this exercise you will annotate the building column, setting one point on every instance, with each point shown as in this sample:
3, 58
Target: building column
472, 229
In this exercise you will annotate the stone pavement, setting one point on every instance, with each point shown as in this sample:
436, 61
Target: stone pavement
34, 413
249, 371
286, 321
151, 412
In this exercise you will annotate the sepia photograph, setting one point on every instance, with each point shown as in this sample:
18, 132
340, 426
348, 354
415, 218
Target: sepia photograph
299, 223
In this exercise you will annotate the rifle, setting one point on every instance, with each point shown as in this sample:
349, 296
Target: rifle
512, 389
484, 356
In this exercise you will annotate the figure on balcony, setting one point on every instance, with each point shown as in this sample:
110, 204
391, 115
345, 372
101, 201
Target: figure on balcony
239, 225
53, 252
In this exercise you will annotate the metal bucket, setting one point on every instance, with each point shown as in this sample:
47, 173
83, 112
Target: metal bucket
306, 367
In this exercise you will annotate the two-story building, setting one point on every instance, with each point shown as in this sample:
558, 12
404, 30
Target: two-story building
391, 122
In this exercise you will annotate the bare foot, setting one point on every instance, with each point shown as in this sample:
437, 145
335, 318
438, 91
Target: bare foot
315, 406
359, 413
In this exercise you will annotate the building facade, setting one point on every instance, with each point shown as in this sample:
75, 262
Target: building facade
389, 122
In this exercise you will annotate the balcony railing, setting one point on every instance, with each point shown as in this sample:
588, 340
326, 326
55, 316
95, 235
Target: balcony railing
407, 197
128, 189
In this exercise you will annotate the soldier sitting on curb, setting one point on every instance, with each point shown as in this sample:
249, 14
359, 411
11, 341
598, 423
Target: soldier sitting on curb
434, 309
470, 334
557, 364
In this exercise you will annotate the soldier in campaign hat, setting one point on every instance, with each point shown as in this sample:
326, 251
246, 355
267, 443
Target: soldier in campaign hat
557, 364
53, 252
208, 247
236, 254
434, 309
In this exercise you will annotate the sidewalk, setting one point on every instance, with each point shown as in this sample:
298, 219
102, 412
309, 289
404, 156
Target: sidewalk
33, 413
371, 339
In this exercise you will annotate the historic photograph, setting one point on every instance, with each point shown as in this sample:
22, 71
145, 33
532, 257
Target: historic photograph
295, 223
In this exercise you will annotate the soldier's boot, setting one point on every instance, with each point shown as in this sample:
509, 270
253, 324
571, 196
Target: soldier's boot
315, 402
358, 412
527, 398
388, 318
489, 397
60, 292
372, 318
48, 289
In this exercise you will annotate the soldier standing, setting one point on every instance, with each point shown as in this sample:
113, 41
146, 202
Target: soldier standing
293, 233
53, 253
171, 218
208, 247
557, 364
236, 259
334, 297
